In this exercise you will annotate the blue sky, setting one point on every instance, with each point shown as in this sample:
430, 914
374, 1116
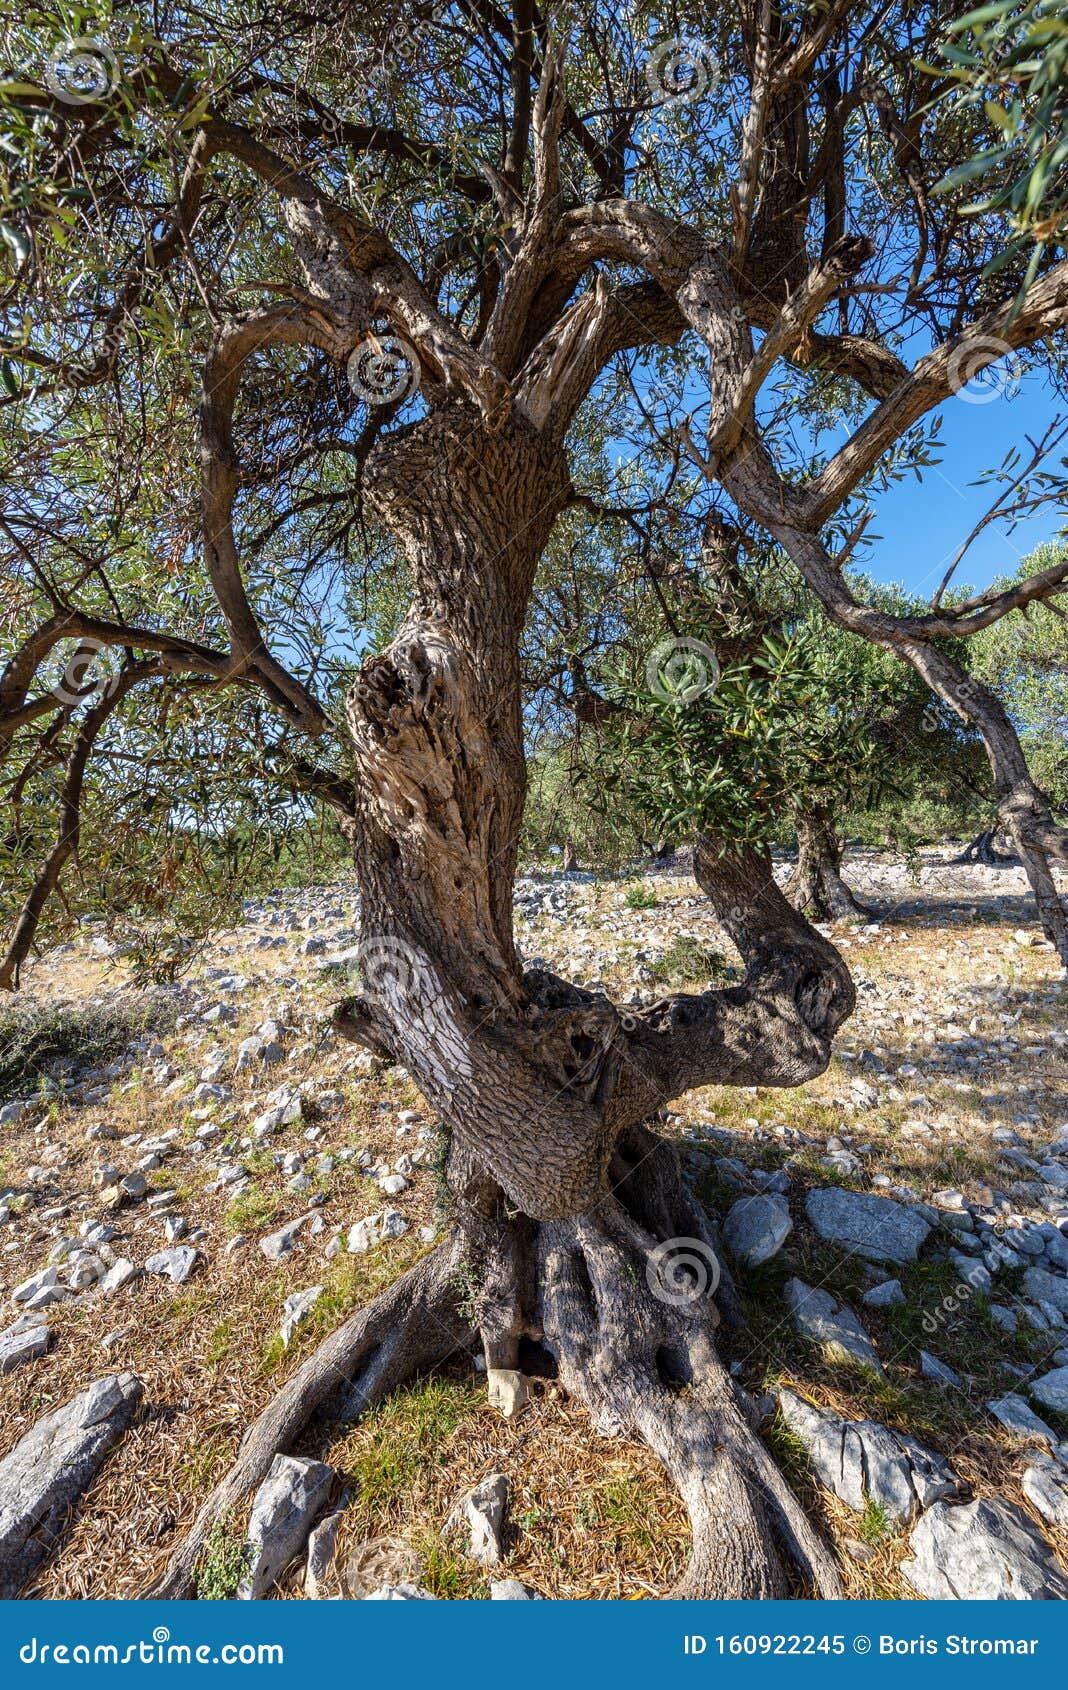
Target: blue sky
923, 524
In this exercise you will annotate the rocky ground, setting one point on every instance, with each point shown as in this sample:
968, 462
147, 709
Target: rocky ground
182, 1221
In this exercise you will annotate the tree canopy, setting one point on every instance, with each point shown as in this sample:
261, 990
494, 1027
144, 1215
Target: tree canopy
186, 531
318, 327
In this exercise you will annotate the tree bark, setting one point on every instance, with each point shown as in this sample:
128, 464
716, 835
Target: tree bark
1023, 809
544, 1087
816, 886
983, 849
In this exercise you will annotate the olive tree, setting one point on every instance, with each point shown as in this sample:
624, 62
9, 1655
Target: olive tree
695, 684
362, 269
1025, 659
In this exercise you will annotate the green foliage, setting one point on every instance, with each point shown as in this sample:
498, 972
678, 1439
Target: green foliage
172, 847
469, 1291
558, 809
438, 1163
785, 723
903, 822
197, 794
1010, 62
639, 897
875, 1523
446, 1571
627, 1506
222, 1565
252, 1210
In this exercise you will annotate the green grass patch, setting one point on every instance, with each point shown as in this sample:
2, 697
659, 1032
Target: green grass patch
187, 1307
204, 1463
626, 1506
219, 1343
252, 1210
348, 1283
447, 1573
272, 1353
405, 1439
688, 962
875, 1523
790, 1454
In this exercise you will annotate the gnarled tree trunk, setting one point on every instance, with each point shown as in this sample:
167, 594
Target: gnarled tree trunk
1024, 812
816, 885
984, 849
573, 1222
568, 1205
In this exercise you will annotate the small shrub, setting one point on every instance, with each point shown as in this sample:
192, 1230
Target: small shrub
37, 1040
222, 1565
161, 954
640, 897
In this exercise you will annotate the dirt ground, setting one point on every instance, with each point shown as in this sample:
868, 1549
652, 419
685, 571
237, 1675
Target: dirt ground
957, 1051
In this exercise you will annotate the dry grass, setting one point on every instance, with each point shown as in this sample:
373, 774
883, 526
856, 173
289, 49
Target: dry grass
588, 1516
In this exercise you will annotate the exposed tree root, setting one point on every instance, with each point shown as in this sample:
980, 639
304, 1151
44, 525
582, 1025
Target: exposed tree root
623, 1299
647, 1367
983, 849
630, 1320
410, 1327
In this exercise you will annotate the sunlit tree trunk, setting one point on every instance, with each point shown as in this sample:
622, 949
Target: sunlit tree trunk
816, 885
